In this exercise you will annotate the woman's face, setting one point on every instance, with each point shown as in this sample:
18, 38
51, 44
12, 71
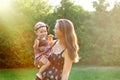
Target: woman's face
42, 32
57, 31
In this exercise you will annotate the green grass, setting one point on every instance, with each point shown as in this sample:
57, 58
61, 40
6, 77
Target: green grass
95, 73
17, 74
77, 73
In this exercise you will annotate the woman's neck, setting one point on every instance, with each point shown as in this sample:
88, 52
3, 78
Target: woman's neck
60, 42
58, 47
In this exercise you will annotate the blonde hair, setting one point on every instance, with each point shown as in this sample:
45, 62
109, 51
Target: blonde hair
69, 38
39, 25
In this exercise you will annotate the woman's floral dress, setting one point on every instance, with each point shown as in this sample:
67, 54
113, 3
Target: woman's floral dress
54, 71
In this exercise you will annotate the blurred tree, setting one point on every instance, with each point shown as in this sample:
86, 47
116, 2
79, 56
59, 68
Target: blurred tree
100, 6
70, 11
32, 10
103, 32
17, 34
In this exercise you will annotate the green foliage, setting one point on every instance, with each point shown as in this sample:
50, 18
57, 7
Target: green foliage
72, 12
33, 11
16, 33
102, 46
100, 6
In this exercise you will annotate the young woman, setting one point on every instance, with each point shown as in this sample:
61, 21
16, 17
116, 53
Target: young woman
65, 52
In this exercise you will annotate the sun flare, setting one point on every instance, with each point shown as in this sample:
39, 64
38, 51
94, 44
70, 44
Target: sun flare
5, 5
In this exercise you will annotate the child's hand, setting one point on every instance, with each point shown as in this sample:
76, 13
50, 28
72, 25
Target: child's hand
50, 39
36, 44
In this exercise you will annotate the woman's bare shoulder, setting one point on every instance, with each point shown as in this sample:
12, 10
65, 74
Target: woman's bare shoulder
65, 53
54, 41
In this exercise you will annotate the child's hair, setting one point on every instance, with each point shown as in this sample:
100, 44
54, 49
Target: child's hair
37, 26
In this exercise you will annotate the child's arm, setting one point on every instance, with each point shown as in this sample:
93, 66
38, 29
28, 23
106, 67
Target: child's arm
36, 44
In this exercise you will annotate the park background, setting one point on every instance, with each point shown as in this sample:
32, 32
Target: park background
98, 35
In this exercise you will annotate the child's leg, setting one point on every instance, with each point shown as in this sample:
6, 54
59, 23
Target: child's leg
42, 68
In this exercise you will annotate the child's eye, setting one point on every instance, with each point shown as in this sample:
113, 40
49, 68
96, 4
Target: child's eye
45, 31
40, 31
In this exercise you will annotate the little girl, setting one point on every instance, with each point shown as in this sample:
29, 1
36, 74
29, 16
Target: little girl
41, 47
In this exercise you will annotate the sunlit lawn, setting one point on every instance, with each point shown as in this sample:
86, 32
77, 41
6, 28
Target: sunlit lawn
77, 73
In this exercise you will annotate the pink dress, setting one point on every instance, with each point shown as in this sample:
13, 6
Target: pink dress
42, 50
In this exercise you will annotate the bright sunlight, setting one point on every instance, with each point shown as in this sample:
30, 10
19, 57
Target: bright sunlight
5, 5
86, 4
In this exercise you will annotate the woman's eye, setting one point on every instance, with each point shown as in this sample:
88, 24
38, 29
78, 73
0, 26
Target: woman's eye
45, 31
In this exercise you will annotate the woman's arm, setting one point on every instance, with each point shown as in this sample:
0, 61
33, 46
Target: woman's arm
67, 66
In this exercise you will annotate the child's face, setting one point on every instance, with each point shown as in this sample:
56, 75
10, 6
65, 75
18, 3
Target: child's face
41, 32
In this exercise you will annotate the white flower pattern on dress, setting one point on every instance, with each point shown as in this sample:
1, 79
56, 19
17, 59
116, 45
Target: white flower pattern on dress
54, 71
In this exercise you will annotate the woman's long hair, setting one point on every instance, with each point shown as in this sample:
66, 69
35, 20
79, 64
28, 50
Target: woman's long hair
69, 38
